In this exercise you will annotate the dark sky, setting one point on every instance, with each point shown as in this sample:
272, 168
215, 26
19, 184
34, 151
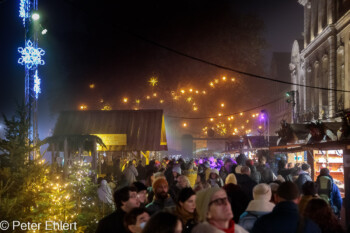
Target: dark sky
95, 42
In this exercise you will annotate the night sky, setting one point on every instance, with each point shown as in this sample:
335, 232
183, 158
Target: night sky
113, 46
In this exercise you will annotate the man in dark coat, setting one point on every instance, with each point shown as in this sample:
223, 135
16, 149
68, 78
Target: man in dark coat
245, 182
125, 200
265, 171
304, 175
285, 216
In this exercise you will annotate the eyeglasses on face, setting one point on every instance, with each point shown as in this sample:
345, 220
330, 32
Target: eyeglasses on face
219, 201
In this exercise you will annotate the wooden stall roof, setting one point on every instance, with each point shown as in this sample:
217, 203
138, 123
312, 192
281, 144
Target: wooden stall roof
144, 129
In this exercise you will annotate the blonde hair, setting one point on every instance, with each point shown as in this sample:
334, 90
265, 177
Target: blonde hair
231, 179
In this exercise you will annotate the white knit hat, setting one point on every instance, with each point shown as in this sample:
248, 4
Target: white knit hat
262, 192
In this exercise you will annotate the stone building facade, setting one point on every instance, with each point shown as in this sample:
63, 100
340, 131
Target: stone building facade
323, 60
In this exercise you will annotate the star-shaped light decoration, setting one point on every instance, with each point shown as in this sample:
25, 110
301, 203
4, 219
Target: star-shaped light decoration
153, 81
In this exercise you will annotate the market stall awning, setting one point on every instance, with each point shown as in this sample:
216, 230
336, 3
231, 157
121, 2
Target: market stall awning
121, 130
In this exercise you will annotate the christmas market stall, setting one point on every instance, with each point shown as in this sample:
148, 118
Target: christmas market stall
105, 137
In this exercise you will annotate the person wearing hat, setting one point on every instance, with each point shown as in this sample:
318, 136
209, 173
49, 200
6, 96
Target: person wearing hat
258, 207
285, 216
214, 213
304, 175
161, 197
215, 179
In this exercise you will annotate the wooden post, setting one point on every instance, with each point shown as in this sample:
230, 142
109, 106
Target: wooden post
346, 161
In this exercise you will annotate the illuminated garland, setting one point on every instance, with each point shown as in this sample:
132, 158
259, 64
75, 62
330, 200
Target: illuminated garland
37, 81
23, 10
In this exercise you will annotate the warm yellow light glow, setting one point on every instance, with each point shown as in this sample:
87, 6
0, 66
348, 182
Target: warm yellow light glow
224, 78
189, 99
211, 119
232, 79
204, 92
233, 133
260, 127
211, 84
191, 89
83, 107
219, 114
137, 101
148, 97
222, 105
242, 126
235, 129
216, 80
182, 91
184, 124
153, 81
197, 91
232, 118
161, 101
247, 121
195, 108
92, 86
229, 118
125, 100
154, 94
241, 114
253, 115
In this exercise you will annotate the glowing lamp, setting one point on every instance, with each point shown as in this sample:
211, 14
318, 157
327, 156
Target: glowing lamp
241, 114
184, 124
222, 105
224, 78
182, 91
125, 100
35, 16
211, 119
44, 31
155, 94
191, 90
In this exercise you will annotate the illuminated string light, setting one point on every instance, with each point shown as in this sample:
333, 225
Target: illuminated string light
182, 91
31, 56
222, 105
191, 89
216, 80
24, 6
224, 78
161, 101
37, 82
153, 81
92, 86
154, 94
125, 100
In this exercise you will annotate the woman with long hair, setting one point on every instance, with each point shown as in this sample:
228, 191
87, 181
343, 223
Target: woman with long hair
319, 211
186, 209
163, 222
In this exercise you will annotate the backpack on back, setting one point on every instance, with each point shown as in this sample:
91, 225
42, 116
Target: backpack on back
325, 188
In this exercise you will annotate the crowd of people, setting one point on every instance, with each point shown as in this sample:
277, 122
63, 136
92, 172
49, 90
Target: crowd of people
216, 196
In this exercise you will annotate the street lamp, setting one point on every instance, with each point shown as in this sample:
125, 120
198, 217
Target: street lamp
265, 119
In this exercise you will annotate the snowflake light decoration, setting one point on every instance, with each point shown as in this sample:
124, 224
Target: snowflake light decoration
24, 10
31, 56
37, 82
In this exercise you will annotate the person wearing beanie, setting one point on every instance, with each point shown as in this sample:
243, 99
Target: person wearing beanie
214, 213
304, 175
258, 207
214, 179
231, 179
161, 197
207, 169
285, 216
